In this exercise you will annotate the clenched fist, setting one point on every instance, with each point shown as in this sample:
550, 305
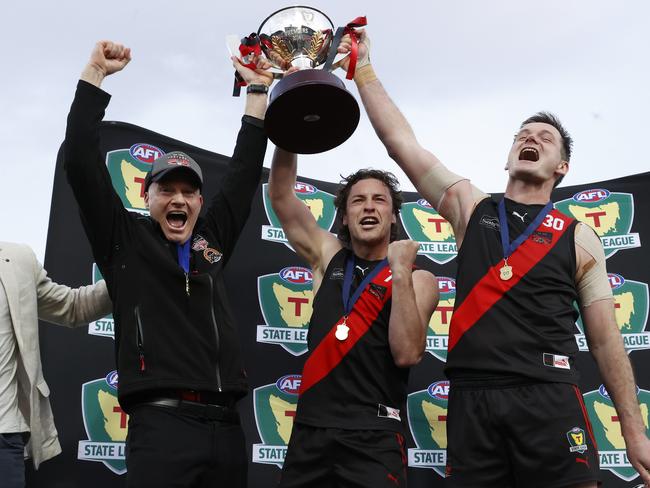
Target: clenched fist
106, 58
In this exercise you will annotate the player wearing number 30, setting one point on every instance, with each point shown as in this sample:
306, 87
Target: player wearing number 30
516, 416
371, 310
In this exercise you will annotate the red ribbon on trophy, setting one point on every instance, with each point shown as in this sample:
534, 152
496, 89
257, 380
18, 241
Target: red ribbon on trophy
354, 41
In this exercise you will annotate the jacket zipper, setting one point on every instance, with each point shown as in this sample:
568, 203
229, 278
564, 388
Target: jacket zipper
140, 338
216, 330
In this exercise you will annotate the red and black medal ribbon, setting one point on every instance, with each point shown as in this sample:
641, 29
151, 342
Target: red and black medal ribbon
340, 32
249, 45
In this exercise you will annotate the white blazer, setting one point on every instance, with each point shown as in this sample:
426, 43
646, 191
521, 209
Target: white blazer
31, 295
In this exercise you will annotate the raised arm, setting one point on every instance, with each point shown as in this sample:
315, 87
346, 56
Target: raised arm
86, 172
606, 345
415, 296
229, 209
312, 243
452, 195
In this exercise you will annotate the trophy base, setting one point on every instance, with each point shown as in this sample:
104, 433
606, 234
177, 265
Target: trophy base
310, 111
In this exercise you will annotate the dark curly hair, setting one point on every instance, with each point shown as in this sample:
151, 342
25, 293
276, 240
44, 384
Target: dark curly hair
341, 200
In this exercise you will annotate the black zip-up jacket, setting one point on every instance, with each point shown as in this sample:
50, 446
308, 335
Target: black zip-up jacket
172, 331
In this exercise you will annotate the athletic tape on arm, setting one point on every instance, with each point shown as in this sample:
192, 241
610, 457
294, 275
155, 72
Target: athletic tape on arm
594, 284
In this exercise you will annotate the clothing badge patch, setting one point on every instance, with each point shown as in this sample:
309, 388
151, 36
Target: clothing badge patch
212, 255
385, 411
541, 237
490, 222
337, 274
576, 438
556, 361
199, 243
377, 290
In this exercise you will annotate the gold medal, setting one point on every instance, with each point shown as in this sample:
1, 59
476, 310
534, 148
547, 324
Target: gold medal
505, 273
342, 331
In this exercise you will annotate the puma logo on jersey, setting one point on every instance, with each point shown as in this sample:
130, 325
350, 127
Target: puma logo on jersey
362, 270
517, 214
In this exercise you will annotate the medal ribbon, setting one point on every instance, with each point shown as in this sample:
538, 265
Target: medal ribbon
184, 255
349, 29
331, 351
348, 302
249, 45
511, 247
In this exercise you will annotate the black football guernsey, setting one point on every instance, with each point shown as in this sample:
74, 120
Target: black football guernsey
522, 327
352, 383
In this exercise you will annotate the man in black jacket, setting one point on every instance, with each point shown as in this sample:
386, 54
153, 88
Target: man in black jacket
179, 364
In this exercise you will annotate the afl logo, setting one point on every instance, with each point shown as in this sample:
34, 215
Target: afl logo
111, 379
439, 390
296, 275
615, 280
423, 203
289, 384
145, 152
446, 285
590, 196
304, 188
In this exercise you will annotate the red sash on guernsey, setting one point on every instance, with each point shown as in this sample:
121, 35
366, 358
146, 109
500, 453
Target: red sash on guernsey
330, 351
490, 289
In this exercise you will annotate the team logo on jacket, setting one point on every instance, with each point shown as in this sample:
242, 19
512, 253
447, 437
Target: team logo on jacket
319, 203
607, 430
105, 423
610, 214
631, 311
104, 327
275, 409
427, 415
438, 331
128, 169
286, 302
424, 225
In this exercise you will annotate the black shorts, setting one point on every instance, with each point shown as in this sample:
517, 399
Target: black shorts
339, 458
535, 435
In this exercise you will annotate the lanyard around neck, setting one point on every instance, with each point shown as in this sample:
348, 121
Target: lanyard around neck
348, 302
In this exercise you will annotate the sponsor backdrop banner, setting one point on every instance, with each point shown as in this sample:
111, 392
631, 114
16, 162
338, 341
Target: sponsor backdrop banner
272, 297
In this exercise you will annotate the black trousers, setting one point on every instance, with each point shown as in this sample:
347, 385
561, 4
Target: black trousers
173, 448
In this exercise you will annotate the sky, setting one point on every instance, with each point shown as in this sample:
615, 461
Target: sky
465, 73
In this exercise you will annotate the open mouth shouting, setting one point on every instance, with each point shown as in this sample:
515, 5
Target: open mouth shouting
529, 154
369, 222
176, 219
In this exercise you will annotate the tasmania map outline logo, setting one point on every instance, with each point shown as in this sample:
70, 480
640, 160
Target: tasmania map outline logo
128, 169
607, 430
424, 225
632, 307
320, 204
438, 329
105, 423
274, 406
286, 300
609, 214
427, 419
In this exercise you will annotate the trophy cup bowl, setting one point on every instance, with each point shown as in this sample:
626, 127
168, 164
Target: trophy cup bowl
309, 111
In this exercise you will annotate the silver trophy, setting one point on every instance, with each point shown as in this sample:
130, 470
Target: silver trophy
310, 111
